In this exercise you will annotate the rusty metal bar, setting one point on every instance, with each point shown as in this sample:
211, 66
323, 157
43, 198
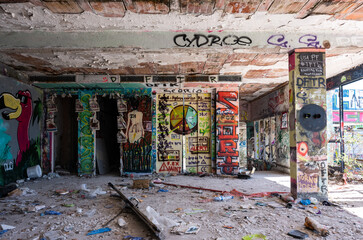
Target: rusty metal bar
142, 216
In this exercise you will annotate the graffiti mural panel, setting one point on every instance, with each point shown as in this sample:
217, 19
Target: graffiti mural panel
190, 125
171, 115
204, 133
227, 132
21, 115
86, 163
183, 132
137, 146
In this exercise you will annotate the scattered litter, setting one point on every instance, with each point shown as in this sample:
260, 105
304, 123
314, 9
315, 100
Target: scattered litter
327, 203
141, 183
298, 234
160, 221
305, 202
79, 210
84, 187
163, 190
228, 227
34, 172
68, 228
246, 174
260, 204
22, 192
312, 224
194, 211
51, 176
287, 198
3, 231
192, 230
222, 198
68, 205
89, 213
144, 196
274, 205
129, 237
6, 227
184, 228
34, 208
313, 200
254, 237
289, 205
121, 222
53, 235
101, 230
247, 206
61, 191
177, 210
50, 212
108, 206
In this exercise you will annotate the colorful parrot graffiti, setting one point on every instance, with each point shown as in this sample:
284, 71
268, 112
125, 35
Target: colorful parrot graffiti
21, 103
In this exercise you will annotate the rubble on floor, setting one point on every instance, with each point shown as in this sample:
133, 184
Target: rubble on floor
69, 207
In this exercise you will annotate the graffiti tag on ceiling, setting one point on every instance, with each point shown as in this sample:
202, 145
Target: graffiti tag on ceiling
200, 40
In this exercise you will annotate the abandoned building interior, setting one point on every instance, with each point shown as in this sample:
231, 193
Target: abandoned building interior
231, 97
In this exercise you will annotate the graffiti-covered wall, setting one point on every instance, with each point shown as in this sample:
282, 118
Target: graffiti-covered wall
183, 128
137, 146
21, 109
271, 104
271, 134
227, 131
134, 123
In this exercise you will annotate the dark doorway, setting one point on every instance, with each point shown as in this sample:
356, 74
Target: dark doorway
107, 148
66, 136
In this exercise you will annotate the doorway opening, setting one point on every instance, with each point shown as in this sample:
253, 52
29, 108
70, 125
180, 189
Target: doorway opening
107, 148
66, 154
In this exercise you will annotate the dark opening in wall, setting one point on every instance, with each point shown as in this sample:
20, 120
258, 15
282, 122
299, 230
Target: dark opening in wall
107, 148
66, 136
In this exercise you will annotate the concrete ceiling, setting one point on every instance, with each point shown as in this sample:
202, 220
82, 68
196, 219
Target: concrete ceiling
178, 37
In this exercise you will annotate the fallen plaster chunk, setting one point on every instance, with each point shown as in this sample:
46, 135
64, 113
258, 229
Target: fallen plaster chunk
6, 227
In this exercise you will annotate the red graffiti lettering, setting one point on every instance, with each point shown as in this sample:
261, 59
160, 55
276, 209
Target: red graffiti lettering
170, 167
225, 99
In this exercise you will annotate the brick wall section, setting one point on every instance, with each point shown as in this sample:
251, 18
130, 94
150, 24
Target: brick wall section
109, 9
287, 7
266, 73
68, 7
152, 6
205, 7
331, 7
241, 6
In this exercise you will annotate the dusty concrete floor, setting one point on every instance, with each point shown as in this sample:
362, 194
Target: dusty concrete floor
217, 220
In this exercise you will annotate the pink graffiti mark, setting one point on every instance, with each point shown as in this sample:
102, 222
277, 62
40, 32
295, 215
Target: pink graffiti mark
22, 104
349, 116
105, 79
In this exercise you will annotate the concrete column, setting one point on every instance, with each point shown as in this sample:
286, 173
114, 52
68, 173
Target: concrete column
307, 123
227, 131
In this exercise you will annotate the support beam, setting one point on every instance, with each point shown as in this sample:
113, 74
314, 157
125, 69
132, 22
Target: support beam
307, 123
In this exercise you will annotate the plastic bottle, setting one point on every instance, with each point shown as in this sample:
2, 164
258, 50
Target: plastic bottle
222, 198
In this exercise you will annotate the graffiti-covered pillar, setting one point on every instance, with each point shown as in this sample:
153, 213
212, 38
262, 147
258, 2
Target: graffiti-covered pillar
307, 123
227, 132
86, 153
